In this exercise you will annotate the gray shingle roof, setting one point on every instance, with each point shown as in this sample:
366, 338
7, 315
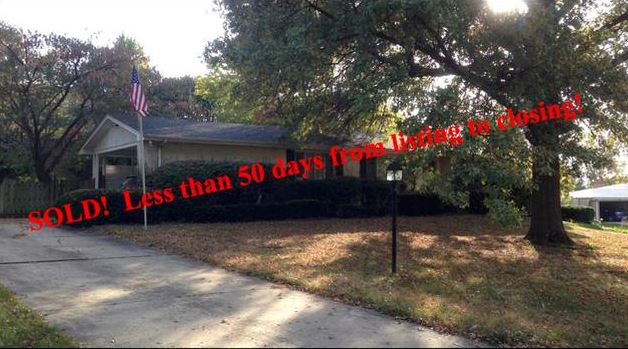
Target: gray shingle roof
174, 128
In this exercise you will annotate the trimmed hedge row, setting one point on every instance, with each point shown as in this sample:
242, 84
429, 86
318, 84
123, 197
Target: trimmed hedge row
581, 214
346, 190
174, 173
253, 212
415, 204
115, 206
342, 197
210, 213
271, 199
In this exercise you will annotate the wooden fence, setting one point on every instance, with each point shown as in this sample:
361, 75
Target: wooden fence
18, 199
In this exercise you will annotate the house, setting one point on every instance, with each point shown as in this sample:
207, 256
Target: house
610, 203
113, 146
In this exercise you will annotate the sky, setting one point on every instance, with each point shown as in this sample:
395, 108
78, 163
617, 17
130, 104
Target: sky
172, 33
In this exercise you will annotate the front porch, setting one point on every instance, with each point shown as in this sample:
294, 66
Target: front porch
111, 169
114, 148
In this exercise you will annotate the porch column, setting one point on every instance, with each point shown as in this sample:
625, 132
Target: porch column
103, 171
159, 155
95, 170
140, 160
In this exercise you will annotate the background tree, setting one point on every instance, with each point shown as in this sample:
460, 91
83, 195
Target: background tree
54, 90
14, 157
108, 90
203, 98
219, 92
328, 65
174, 97
48, 84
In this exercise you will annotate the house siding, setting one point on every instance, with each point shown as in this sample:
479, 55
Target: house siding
351, 169
113, 137
171, 152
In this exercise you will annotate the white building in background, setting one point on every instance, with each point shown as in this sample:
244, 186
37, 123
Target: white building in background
610, 203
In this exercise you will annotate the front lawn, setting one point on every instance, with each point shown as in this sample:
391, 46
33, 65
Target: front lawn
616, 228
457, 274
21, 327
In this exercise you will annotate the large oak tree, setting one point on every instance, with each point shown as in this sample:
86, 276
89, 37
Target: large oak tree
332, 65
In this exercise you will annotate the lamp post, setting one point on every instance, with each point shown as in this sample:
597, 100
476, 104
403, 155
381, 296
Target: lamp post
394, 175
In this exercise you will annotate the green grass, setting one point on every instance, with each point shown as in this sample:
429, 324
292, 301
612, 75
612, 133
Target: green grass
616, 228
21, 327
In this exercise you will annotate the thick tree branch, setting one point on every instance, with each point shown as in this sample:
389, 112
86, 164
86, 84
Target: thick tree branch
414, 70
13, 53
319, 9
615, 21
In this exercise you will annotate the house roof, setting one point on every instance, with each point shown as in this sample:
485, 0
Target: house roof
156, 127
617, 191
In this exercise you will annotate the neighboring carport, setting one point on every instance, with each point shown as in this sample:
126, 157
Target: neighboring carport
610, 202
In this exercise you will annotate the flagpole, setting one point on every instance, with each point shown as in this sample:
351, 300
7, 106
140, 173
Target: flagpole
143, 167
138, 102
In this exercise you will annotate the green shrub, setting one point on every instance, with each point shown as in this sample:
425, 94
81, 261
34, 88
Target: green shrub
351, 211
581, 214
347, 190
377, 197
417, 204
190, 211
271, 199
504, 212
254, 212
115, 206
172, 174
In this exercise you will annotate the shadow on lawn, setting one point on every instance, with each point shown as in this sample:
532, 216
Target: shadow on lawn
493, 284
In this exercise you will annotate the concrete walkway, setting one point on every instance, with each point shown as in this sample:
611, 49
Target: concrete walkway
110, 293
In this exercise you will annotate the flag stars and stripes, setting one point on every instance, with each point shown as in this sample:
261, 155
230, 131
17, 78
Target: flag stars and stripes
138, 99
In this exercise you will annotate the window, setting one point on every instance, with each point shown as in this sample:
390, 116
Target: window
314, 174
368, 169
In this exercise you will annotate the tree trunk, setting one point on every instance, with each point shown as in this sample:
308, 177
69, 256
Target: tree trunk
41, 171
546, 226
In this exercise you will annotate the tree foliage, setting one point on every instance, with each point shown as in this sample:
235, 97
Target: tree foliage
47, 87
331, 65
209, 98
219, 93
55, 89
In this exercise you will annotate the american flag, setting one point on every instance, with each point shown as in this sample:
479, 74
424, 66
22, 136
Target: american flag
138, 100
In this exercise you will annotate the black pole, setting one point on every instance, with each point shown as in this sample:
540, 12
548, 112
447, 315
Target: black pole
394, 227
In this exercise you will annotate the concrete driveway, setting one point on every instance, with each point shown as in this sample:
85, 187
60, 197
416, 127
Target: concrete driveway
110, 293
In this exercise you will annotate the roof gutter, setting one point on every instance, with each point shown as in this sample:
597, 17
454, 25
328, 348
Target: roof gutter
236, 143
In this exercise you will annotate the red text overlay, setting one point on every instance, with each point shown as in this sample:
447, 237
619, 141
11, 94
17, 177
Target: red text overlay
255, 173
